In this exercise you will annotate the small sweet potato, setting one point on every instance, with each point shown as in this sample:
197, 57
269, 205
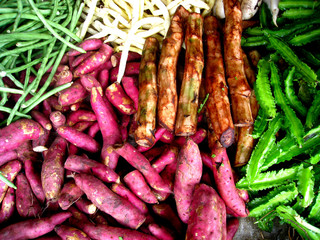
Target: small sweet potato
167, 137
132, 68
198, 137
34, 179
9, 170
137, 184
62, 77
207, 216
157, 135
52, 172
33, 228
93, 129
131, 89
86, 206
188, 175
41, 144
57, 119
103, 78
79, 139
26, 203
87, 45
138, 161
74, 94
124, 192
67, 233
55, 105
7, 156
160, 232
168, 156
132, 56
80, 115
232, 227
18, 132
109, 202
41, 119
8, 206
69, 194
79, 59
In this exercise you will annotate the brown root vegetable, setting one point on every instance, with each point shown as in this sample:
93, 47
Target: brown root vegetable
138, 161
74, 94
85, 165
186, 122
171, 47
9, 170
41, 119
137, 184
34, 179
52, 172
188, 175
69, 194
218, 105
208, 215
239, 88
80, 115
8, 206
117, 96
67, 233
13, 135
225, 183
109, 202
147, 106
33, 228
124, 192
26, 203
86, 206
79, 139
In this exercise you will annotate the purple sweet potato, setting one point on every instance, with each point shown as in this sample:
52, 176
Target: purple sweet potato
207, 216
34, 179
165, 211
103, 78
157, 135
104, 232
154, 152
137, 184
224, 180
82, 126
117, 96
41, 119
8, 156
26, 202
79, 139
9, 170
168, 156
167, 137
124, 192
138, 161
33, 228
74, 94
46, 108
132, 56
62, 77
79, 59
132, 69
160, 232
198, 137
108, 126
8, 206
57, 119
55, 105
232, 227
52, 172
109, 202
188, 175
93, 129
18, 132
131, 89
69, 194
67, 233
86, 206
87, 45
94, 61
89, 81
41, 144
84, 165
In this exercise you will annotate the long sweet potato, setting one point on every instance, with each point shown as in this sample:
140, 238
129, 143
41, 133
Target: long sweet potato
218, 105
80, 115
18, 132
160, 232
33, 228
8, 206
52, 172
146, 115
188, 175
26, 203
109, 202
171, 47
208, 215
67, 233
9, 170
138, 161
186, 122
137, 184
69, 194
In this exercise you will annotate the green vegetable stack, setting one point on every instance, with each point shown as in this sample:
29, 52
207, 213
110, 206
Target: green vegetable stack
283, 174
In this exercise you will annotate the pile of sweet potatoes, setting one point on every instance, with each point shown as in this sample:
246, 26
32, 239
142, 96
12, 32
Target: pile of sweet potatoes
79, 173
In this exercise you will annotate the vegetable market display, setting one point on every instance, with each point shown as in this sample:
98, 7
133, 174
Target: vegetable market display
158, 120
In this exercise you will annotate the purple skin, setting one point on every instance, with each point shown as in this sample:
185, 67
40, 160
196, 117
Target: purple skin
131, 89
74, 94
9, 170
8, 206
80, 115
87, 45
132, 69
70, 193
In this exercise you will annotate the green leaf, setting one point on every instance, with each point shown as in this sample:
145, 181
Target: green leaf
305, 186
